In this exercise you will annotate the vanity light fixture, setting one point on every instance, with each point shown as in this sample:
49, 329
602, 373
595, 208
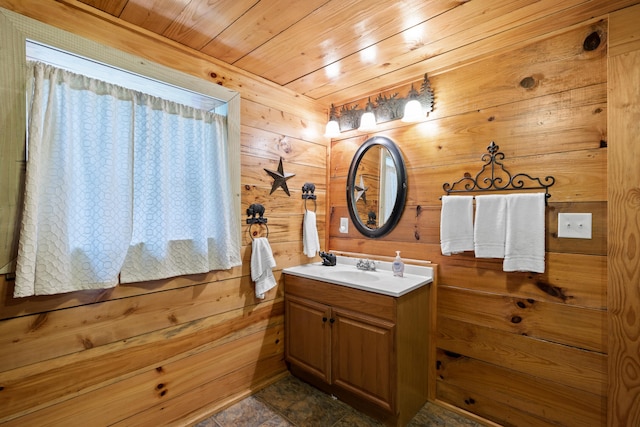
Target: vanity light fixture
414, 108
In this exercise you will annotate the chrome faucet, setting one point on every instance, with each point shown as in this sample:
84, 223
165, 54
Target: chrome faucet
366, 264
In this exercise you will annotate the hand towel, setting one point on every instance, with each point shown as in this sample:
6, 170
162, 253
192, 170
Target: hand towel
525, 233
310, 240
456, 224
262, 263
490, 226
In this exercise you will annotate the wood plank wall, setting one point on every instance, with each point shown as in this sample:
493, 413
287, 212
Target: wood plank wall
171, 351
518, 349
624, 227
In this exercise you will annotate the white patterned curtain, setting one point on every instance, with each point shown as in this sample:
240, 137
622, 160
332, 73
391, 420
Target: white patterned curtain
183, 221
120, 182
76, 223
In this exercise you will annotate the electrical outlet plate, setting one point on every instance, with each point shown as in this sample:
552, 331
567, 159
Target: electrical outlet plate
344, 225
574, 225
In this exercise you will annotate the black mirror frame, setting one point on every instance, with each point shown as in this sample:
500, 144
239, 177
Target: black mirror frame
401, 196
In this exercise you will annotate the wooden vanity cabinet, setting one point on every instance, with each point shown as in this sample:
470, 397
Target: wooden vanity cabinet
368, 349
308, 336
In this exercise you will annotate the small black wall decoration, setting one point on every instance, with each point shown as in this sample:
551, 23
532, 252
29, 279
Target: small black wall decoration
280, 178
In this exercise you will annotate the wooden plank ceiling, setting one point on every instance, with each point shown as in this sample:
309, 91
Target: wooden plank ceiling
338, 50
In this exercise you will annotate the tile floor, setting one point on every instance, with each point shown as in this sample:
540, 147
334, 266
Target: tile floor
291, 402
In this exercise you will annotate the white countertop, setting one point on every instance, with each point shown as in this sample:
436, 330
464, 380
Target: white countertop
381, 281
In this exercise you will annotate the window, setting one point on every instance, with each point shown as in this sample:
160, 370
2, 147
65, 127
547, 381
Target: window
131, 162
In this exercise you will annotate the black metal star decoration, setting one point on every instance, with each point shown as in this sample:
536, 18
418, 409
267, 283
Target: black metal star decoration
280, 178
361, 191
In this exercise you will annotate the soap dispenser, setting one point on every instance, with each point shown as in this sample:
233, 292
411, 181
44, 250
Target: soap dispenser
398, 266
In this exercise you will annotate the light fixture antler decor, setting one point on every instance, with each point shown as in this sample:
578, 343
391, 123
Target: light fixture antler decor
413, 108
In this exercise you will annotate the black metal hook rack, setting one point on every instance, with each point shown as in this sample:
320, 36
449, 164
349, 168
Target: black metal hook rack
490, 178
307, 194
253, 210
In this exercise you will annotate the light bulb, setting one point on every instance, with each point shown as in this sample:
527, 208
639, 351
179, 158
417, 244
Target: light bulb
368, 119
367, 122
333, 129
413, 112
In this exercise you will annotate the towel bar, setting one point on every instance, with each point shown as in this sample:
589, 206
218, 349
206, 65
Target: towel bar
253, 210
494, 182
307, 194
252, 234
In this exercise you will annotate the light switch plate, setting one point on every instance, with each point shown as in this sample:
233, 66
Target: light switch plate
574, 225
344, 225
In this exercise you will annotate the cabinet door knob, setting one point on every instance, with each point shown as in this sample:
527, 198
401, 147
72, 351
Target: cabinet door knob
324, 319
332, 320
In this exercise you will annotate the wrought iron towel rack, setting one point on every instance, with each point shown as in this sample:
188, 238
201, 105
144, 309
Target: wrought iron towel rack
490, 178
253, 210
307, 194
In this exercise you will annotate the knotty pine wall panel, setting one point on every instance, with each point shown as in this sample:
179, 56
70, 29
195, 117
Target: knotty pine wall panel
484, 388
89, 369
572, 120
61, 332
514, 348
579, 174
579, 368
171, 350
155, 384
501, 80
552, 322
624, 245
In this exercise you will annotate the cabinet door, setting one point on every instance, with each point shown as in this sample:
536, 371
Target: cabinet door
364, 357
308, 336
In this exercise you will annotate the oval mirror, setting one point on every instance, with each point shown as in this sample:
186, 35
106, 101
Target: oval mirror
376, 187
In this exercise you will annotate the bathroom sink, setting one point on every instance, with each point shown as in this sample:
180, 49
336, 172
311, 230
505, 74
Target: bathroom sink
381, 280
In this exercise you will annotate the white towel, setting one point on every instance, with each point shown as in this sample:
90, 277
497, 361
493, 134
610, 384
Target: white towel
310, 240
524, 241
261, 264
456, 224
490, 226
